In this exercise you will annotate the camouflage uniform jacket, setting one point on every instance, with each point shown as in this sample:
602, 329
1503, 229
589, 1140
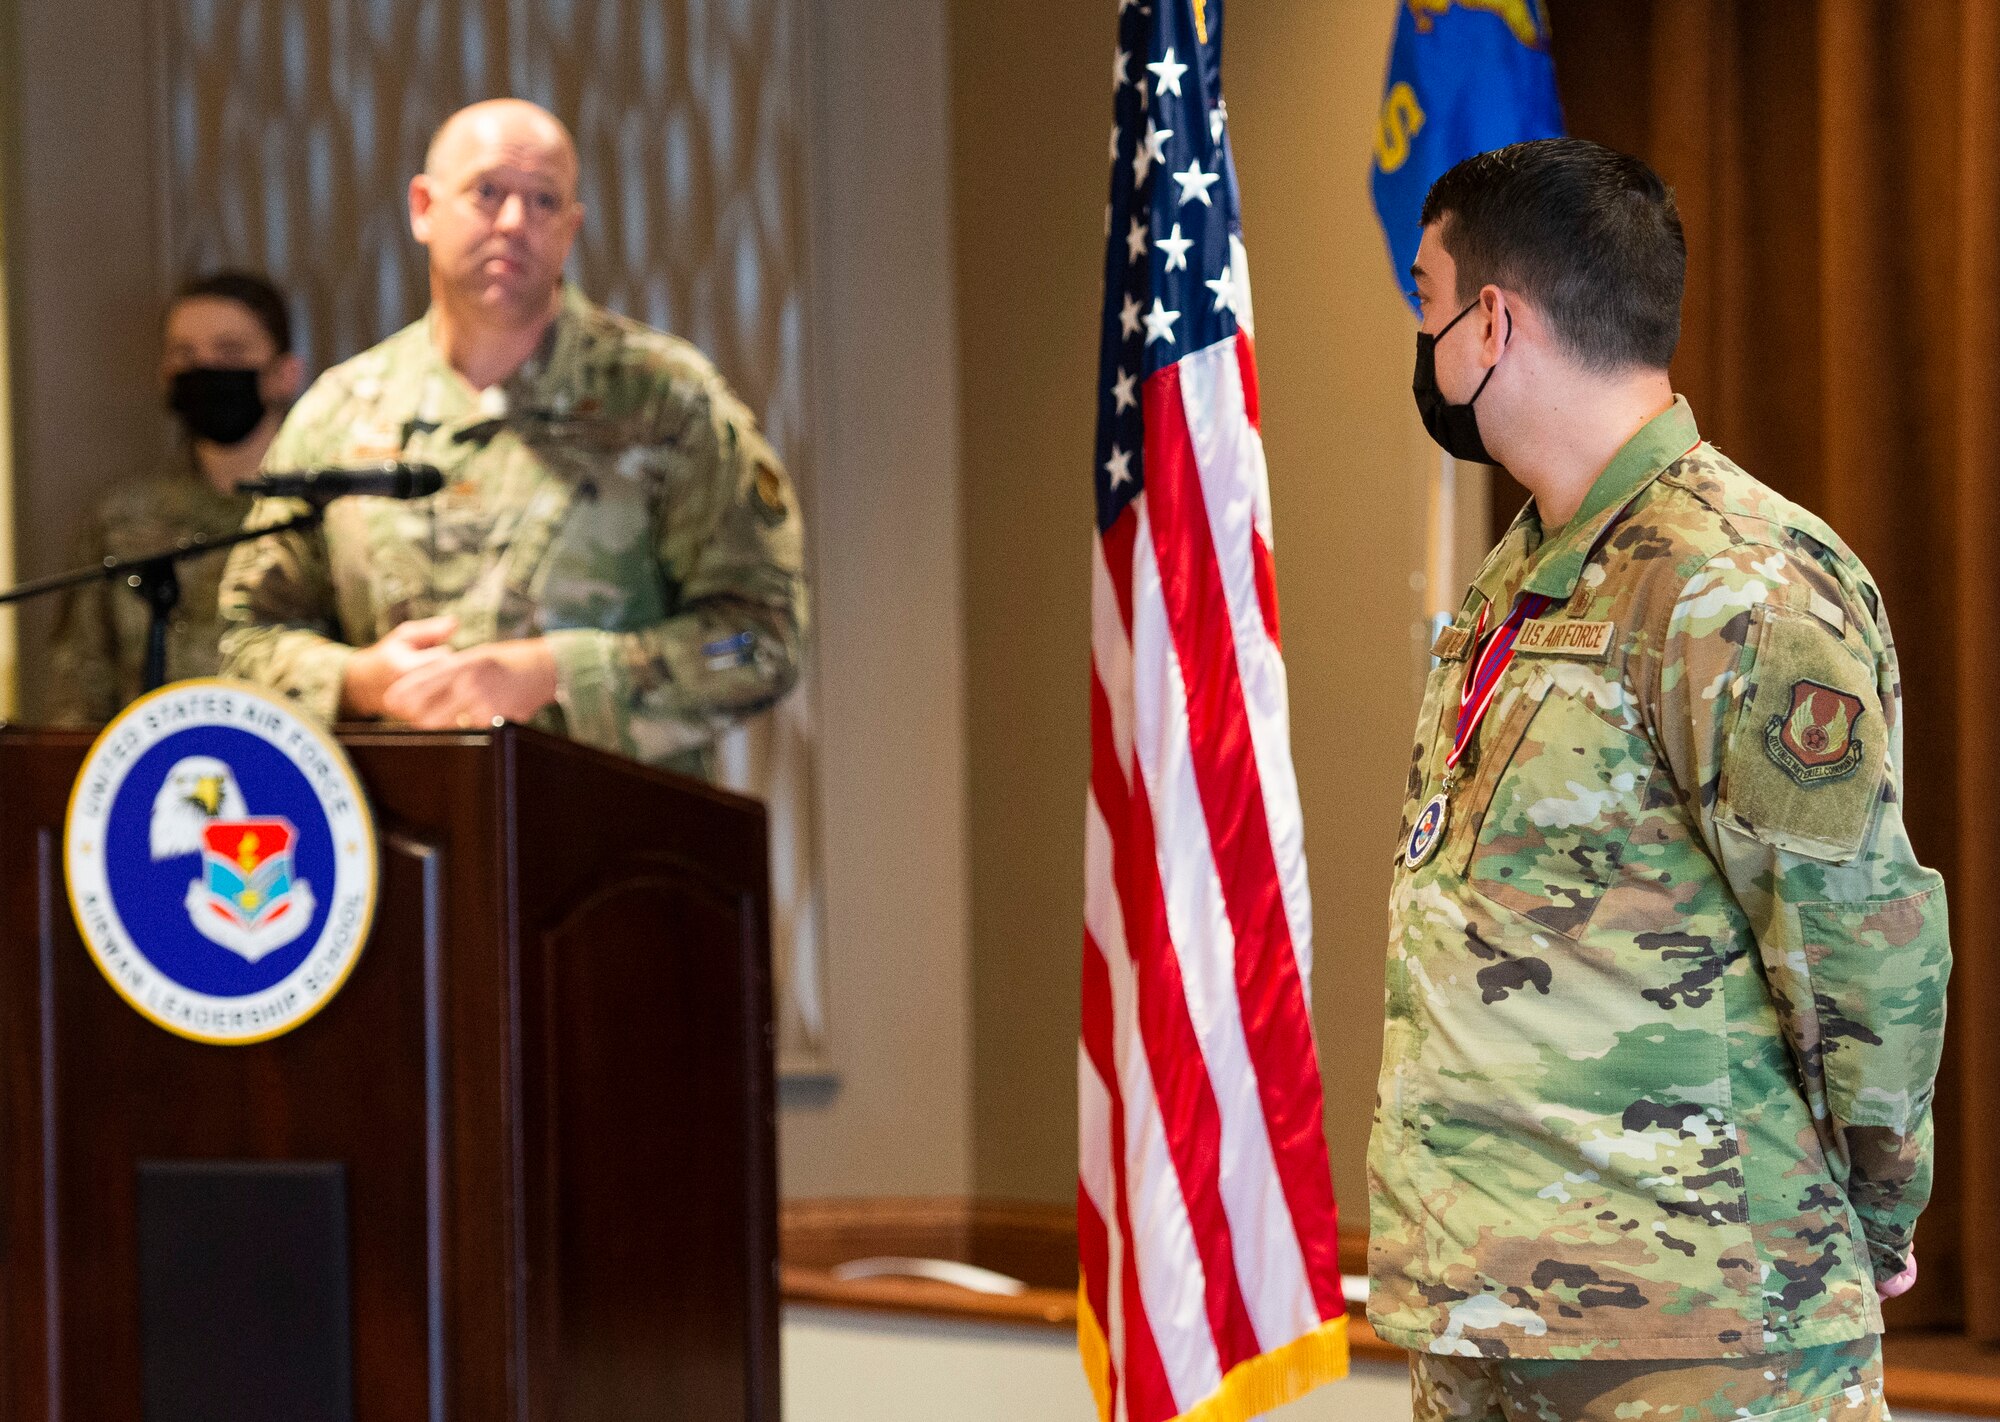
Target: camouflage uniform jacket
611, 495
98, 661
1665, 1005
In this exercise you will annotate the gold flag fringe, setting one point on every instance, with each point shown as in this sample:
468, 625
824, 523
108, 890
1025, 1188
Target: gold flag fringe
1253, 1387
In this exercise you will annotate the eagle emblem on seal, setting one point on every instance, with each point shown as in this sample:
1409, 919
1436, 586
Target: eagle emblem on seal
248, 897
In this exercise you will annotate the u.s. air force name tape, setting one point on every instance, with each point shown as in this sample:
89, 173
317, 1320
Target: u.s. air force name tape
221, 861
1562, 637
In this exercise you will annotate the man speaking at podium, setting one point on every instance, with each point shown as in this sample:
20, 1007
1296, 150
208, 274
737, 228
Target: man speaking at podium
616, 554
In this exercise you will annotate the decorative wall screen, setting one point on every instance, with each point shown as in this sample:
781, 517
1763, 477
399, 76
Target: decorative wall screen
291, 130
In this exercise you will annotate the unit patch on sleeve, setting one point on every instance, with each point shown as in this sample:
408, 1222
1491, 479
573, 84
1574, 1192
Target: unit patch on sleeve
1817, 739
1808, 753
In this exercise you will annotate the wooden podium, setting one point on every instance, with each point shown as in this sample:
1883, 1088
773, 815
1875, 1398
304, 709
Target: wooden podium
520, 1168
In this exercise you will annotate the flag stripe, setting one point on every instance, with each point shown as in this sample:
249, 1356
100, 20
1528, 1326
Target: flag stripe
1144, 1180
1100, 1186
1181, 1242
1116, 546
1134, 1350
1181, 1083
1101, 1157
1106, 1041
1225, 765
1093, 1252
1145, 1394
1229, 456
1205, 1213
1246, 357
1266, 1252
1111, 652
1165, 1284
1267, 586
1096, 1105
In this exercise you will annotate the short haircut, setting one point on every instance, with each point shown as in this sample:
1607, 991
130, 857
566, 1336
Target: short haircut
1589, 235
253, 293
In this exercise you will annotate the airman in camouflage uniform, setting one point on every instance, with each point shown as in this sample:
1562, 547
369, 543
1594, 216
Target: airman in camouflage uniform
611, 496
1666, 990
98, 661
1665, 1004
228, 370
615, 537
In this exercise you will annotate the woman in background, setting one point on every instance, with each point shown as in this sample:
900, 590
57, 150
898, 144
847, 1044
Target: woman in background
228, 371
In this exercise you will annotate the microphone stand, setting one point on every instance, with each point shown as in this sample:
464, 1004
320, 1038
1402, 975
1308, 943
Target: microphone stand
154, 577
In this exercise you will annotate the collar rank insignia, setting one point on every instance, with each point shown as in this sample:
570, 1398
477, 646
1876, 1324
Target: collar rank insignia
1814, 742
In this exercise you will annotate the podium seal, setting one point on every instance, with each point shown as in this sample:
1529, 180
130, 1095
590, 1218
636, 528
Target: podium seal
221, 861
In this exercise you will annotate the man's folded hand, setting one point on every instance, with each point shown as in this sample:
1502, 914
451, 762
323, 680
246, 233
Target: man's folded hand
506, 680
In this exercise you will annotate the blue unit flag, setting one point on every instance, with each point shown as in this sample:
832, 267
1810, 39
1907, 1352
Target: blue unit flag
1465, 76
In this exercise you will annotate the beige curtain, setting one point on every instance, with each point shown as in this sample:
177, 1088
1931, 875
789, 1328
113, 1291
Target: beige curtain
1838, 168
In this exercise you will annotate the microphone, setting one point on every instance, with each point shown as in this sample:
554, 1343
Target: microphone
389, 479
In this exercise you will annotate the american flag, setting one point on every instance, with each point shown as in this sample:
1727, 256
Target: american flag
1205, 1206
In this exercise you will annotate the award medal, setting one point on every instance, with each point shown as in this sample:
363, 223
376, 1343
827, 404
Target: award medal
1428, 830
1474, 699
1489, 663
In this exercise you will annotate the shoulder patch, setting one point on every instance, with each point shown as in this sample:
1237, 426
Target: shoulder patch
1817, 740
1805, 764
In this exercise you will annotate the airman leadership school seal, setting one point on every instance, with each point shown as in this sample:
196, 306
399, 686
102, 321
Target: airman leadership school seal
221, 861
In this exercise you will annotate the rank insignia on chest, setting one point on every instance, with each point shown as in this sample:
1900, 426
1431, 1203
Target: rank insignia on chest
1815, 742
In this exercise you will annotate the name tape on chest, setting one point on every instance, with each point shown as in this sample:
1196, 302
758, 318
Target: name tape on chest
1562, 637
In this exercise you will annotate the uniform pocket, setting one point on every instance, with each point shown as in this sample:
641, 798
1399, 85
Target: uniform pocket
1858, 1402
1514, 705
597, 567
1553, 838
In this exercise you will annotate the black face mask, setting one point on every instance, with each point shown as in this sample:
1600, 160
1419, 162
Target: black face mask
218, 404
1454, 427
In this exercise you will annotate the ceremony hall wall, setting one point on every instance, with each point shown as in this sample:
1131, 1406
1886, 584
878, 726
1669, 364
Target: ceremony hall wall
889, 593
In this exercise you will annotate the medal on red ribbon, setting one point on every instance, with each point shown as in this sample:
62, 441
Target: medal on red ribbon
1489, 663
